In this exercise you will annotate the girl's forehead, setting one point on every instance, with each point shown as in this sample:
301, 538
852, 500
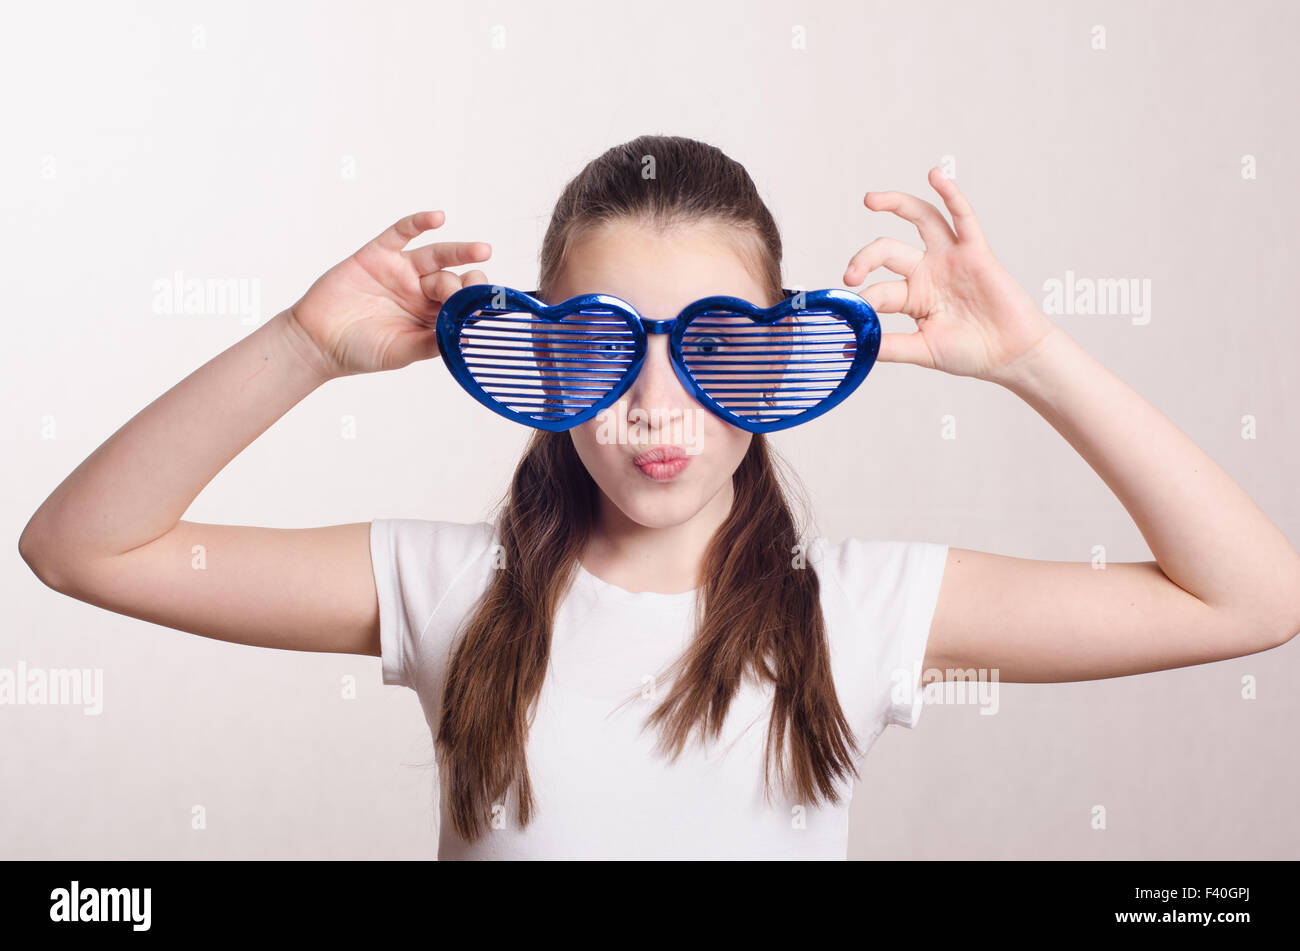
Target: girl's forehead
656, 270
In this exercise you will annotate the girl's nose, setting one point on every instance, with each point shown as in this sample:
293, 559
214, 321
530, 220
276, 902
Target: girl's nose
656, 389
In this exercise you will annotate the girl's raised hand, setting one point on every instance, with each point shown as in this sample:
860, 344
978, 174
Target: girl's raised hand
972, 318
378, 309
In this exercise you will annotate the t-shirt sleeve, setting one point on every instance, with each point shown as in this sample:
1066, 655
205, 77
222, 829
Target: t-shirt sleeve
416, 565
890, 591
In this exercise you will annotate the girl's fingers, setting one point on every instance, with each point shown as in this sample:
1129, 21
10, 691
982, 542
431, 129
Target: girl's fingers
886, 297
891, 253
440, 285
905, 348
927, 218
412, 226
963, 216
417, 345
435, 257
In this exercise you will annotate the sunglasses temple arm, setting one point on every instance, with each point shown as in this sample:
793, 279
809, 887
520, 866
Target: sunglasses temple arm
489, 312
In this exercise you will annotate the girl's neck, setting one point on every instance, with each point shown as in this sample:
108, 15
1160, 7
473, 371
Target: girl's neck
664, 559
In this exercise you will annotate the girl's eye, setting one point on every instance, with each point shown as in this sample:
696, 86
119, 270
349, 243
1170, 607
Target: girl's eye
707, 346
609, 349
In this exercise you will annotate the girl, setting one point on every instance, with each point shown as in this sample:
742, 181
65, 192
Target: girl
629, 661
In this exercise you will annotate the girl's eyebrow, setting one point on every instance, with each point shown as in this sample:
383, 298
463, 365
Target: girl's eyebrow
787, 292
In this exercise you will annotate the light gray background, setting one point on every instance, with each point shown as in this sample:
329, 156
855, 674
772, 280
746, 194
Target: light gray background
131, 154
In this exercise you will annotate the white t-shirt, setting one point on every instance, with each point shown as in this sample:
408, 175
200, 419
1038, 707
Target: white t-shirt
601, 789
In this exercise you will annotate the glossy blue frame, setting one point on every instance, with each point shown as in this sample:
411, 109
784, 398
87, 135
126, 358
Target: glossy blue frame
851, 308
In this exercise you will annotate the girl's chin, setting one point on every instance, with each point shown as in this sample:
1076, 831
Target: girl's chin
665, 506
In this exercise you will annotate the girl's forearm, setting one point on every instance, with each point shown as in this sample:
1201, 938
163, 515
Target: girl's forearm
137, 485
1205, 532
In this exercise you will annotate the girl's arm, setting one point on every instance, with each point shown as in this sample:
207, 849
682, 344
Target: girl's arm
1225, 582
111, 533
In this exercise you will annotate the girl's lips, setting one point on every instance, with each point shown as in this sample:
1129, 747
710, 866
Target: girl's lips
662, 463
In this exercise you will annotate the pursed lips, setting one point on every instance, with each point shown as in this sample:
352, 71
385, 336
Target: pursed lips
662, 462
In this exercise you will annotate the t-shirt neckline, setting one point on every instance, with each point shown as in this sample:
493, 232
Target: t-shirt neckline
609, 588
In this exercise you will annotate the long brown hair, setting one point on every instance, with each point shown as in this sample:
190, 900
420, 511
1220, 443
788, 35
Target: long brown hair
761, 614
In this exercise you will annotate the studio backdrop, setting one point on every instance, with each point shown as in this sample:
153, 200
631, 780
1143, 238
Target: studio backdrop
175, 174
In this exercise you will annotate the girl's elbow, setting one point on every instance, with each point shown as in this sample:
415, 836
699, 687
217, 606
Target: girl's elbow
1290, 629
35, 550
1272, 613
1278, 626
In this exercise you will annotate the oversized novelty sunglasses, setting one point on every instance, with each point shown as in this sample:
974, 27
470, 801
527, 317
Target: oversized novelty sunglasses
760, 369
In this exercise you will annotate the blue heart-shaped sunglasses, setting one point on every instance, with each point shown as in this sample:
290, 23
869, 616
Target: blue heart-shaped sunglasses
760, 369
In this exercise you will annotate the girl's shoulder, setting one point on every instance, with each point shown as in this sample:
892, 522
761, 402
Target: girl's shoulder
880, 575
423, 559
873, 562
427, 575
879, 598
433, 541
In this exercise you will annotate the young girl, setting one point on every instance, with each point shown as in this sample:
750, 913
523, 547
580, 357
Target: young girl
629, 661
